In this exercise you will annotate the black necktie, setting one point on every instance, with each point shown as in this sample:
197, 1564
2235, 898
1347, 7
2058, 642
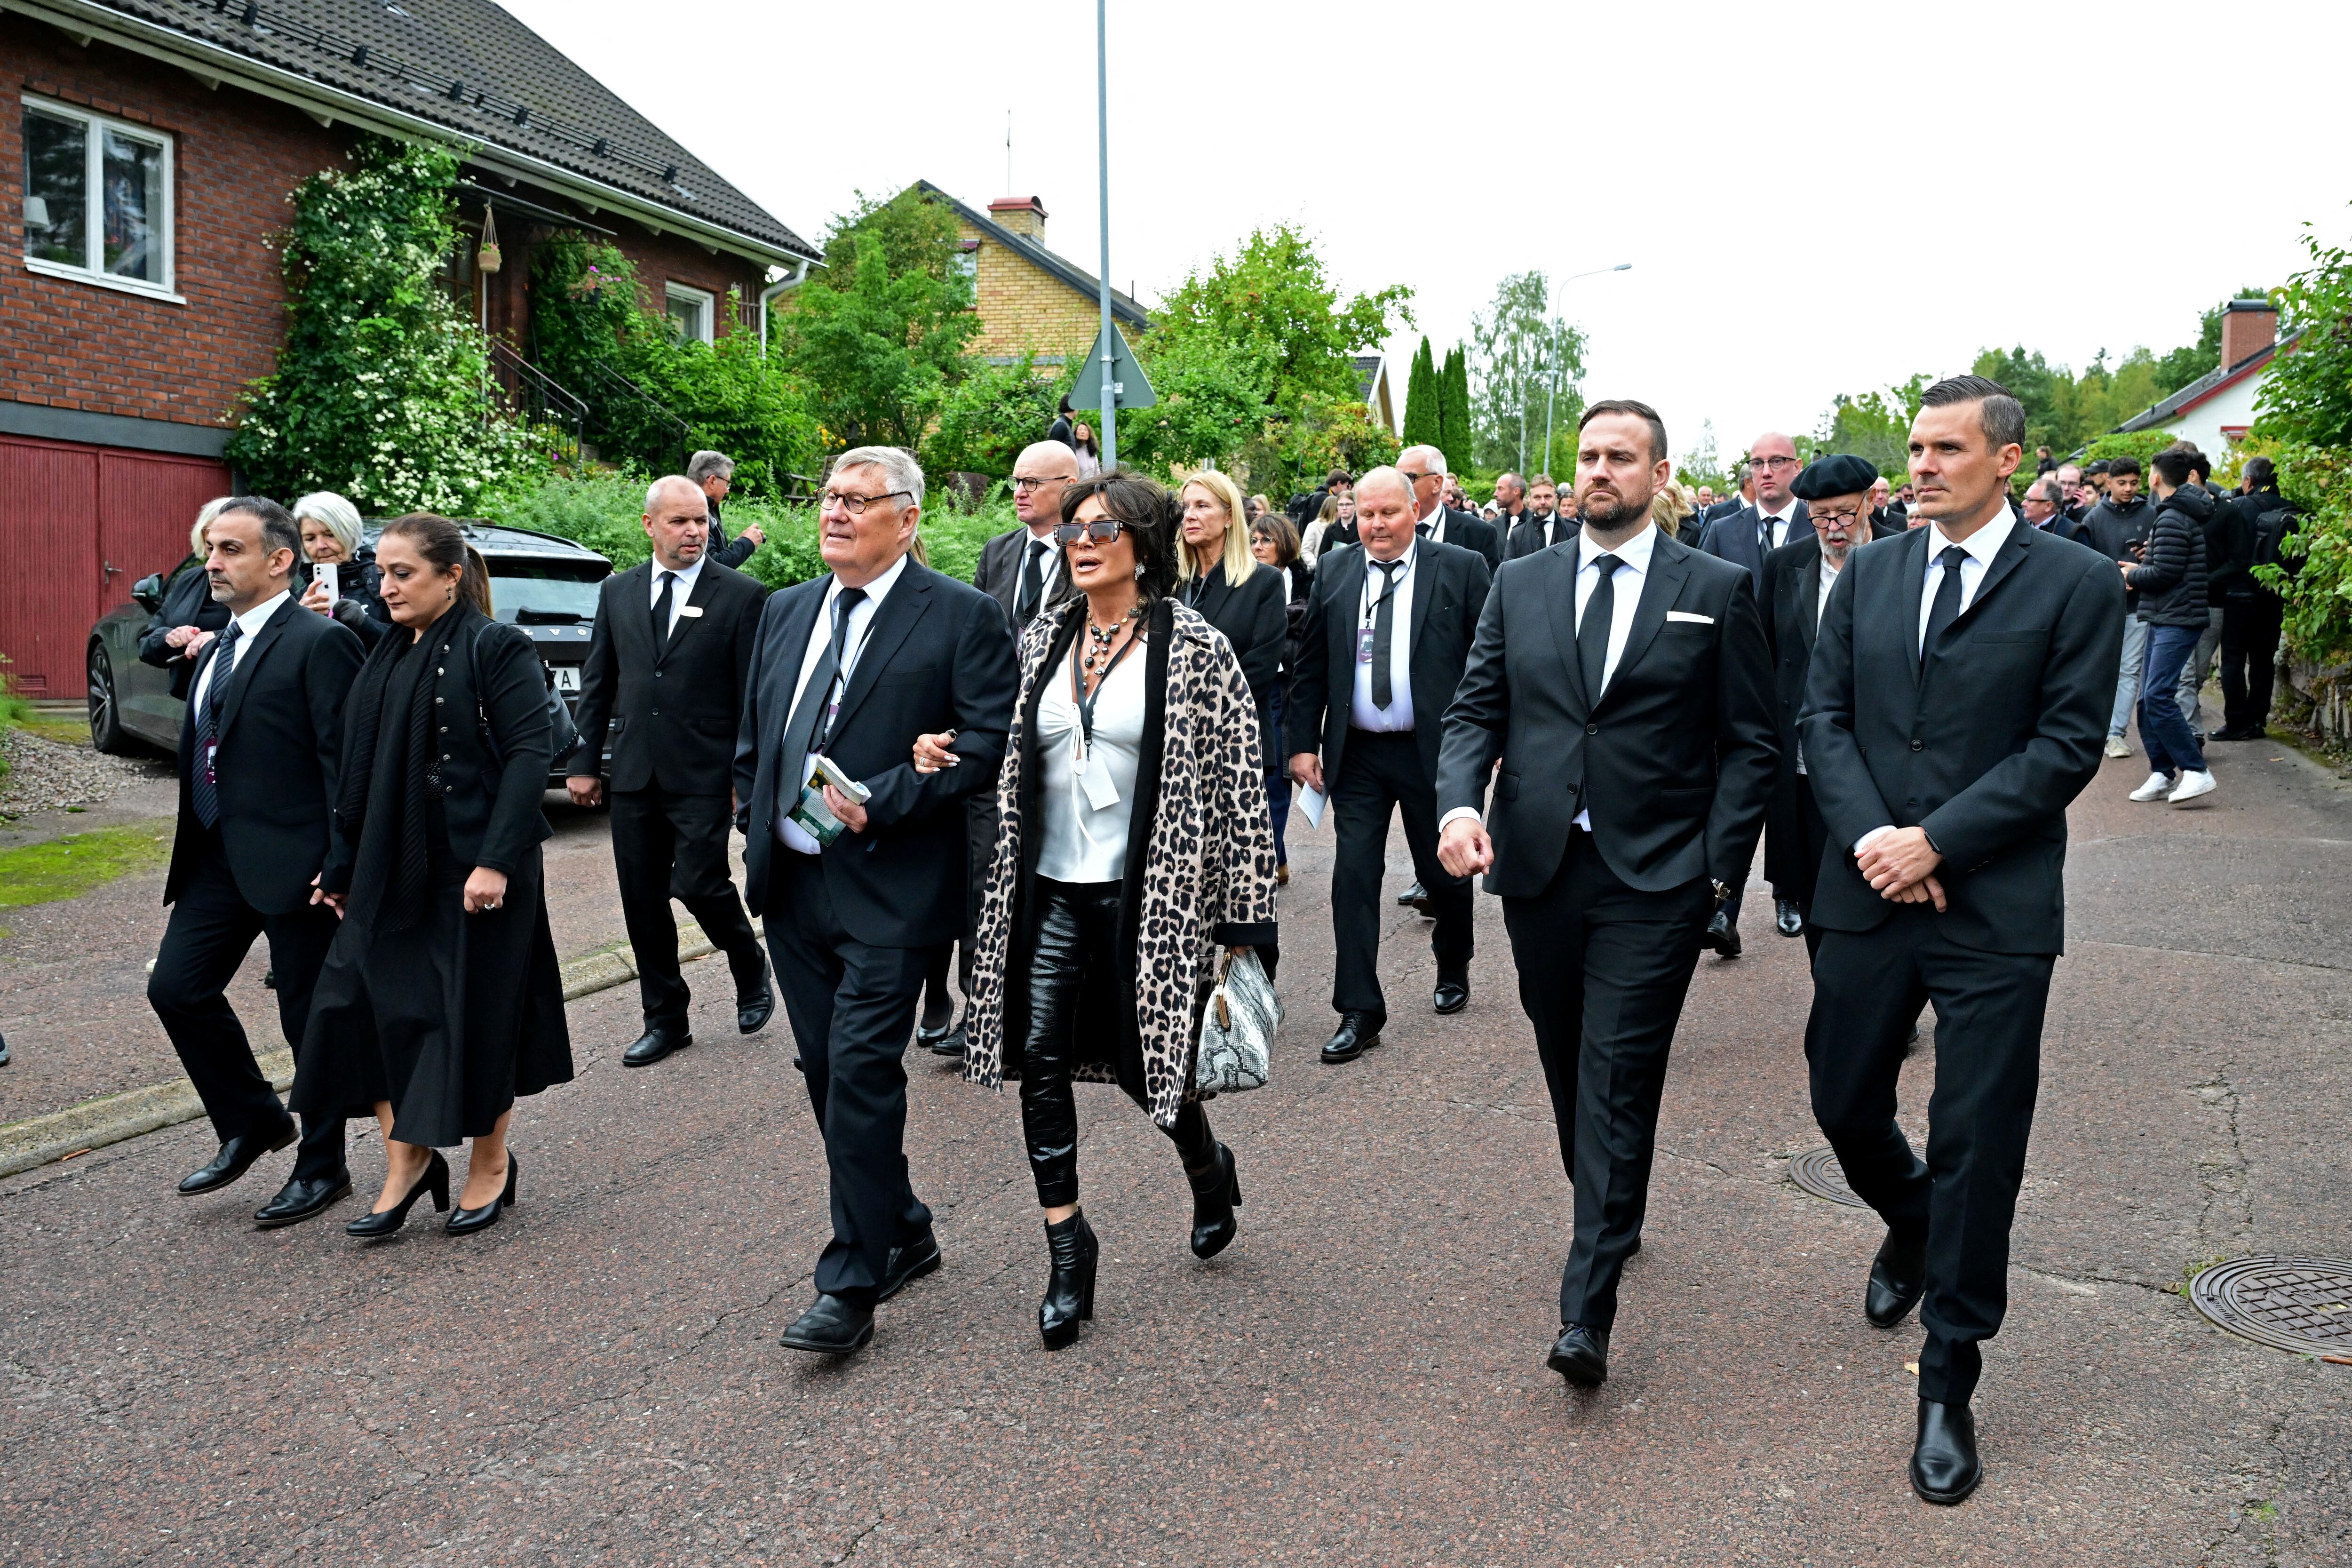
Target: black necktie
1032, 580
1946, 607
204, 793
830, 665
661, 608
1592, 631
1763, 536
1383, 627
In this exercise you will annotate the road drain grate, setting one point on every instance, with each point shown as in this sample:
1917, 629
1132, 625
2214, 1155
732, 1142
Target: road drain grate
1817, 1170
2299, 1304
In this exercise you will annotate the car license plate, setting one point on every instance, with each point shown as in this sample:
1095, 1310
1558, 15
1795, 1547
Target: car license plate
567, 677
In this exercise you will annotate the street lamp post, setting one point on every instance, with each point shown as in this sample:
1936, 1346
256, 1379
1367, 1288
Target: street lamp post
1552, 407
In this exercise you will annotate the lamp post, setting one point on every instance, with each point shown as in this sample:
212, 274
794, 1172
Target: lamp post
1102, 119
1552, 407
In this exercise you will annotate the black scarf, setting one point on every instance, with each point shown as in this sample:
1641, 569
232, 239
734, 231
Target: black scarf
385, 785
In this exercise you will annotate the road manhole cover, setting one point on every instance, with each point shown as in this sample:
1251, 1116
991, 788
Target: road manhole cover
2299, 1304
1817, 1170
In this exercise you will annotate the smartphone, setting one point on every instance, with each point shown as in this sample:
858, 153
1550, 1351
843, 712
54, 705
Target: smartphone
324, 572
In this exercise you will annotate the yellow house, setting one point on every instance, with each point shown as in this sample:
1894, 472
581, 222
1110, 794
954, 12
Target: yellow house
1029, 298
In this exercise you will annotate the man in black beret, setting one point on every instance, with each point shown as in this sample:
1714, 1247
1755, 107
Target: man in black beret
1837, 493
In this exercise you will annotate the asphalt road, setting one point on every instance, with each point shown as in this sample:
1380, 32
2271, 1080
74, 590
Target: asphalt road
1359, 1379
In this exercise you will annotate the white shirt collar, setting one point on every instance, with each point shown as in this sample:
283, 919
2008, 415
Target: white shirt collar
254, 619
1787, 513
1635, 552
686, 575
1983, 544
876, 591
1373, 563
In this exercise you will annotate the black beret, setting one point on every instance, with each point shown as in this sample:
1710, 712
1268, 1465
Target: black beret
1842, 475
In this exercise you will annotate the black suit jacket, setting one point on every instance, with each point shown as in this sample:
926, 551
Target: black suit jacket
671, 710
1449, 591
728, 555
1674, 760
998, 576
1255, 617
1529, 537
1985, 746
1734, 539
1467, 531
1792, 584
280, 734
187, 601
937, 657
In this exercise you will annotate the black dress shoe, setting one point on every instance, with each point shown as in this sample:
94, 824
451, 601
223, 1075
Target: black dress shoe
236, 1158
464, 1221
1216, 1191
301, 1198
1722, 935
831, 1327
1581, 1355
930, 1039
1787, 918
1411, 897
656, 1043
1070, 1287
434, 1179
909, 1262
1944, 1464
1357, 1033
953, 1043
1453, 993
1898, 1277
752, 1012
3, 1050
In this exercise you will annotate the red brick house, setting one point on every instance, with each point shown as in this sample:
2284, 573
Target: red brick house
147, 150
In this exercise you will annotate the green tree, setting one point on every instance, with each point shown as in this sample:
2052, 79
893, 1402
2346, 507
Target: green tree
1456, 413
1423, 396
992, 414
382, 391
2306, 403
879, 336
1528, 363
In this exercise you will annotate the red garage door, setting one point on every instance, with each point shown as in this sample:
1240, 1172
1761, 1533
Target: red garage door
77, 526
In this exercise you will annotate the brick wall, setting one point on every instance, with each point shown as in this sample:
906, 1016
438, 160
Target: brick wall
1024, 307
236, 159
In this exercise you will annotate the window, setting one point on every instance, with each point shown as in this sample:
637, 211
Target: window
97, 199
691, 312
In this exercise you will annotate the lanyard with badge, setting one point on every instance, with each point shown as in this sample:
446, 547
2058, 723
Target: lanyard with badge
1391, 582
1102, 793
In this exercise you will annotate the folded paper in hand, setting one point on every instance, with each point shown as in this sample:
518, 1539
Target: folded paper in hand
815, 817
1310, 801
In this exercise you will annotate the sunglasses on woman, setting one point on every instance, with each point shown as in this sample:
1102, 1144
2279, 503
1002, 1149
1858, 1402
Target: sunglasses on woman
1101, 530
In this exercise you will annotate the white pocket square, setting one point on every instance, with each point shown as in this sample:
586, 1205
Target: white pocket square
1687, 616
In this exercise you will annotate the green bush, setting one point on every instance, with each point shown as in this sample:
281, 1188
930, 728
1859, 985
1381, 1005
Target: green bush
991, 416
2140, 444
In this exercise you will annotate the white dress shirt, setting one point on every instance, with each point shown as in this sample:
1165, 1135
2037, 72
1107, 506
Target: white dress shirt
1980, 546
1435, 522
1082, 843
1048, 565
1820, 605
853, 643
247, 624
686, 577
1398, 715
1780, 520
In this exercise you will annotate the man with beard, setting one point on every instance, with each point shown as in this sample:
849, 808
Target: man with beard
1510, 504
1798, 577
1547, 522
1621, 682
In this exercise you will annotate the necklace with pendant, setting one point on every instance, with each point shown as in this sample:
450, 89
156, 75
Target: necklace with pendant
1098, 640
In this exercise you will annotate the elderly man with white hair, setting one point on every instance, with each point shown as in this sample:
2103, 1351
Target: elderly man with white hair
1424, 469
668, 666
1387, 633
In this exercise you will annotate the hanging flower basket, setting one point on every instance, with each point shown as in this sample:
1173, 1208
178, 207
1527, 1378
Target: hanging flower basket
490, 257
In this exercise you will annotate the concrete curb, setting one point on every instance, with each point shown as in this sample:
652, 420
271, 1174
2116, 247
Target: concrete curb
112, 1119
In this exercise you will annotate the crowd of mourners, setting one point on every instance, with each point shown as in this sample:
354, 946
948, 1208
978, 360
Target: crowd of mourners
1066, 791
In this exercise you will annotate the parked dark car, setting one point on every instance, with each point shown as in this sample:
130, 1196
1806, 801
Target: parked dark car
545, 585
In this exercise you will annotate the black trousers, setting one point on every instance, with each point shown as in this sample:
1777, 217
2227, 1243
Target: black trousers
668, 846
2249, 639
1602, 972
1867, 990
211, 930
1378, 774
1812, 837
852, 1008
1077, 928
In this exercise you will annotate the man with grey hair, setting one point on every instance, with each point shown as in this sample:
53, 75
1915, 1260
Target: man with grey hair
715, 473
849, 669
1510, 503
2046, 506
668, 665
1434, 518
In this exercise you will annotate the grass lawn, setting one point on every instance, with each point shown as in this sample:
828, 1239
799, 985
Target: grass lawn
67, 866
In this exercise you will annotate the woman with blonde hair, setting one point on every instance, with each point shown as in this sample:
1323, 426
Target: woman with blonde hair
188, 618
1218, 575
1670, 508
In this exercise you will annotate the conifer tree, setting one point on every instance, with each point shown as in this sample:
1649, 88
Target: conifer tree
1455, 412
1422, 400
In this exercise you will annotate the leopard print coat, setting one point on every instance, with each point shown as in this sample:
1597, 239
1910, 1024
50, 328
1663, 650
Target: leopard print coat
1207, 878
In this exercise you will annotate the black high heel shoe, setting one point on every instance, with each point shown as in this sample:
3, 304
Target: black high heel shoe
436, 1180
465, 1221
1070, 1290
1216, 1191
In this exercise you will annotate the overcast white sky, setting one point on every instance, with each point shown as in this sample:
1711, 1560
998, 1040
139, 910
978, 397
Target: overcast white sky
1817, 196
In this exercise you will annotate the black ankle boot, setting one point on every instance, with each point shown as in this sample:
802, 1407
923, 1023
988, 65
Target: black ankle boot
1070, 1290
1217, 1189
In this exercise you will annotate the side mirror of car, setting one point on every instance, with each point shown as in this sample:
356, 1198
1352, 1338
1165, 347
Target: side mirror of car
149, 592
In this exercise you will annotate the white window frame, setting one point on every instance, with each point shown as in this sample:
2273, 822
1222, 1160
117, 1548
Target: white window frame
95, 198
706, 308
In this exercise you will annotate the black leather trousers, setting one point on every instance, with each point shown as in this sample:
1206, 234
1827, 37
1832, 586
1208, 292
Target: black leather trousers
1077, 928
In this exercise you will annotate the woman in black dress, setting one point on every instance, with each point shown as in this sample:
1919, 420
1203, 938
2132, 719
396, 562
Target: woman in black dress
440, 1001
1275, 543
